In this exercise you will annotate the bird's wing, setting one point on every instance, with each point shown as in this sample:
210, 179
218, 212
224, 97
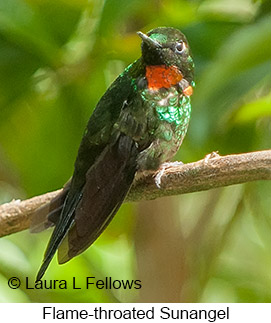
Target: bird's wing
99, 154
107, 183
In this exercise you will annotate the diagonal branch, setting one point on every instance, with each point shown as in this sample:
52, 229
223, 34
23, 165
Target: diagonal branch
211, 172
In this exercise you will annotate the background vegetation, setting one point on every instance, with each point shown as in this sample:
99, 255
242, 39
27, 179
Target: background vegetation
57, 57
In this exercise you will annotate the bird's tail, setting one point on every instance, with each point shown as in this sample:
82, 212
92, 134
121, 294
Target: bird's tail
47, 215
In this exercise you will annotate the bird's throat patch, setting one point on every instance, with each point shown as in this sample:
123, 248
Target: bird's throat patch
159, 76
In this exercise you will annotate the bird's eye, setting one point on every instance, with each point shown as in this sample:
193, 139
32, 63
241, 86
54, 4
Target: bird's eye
180, 47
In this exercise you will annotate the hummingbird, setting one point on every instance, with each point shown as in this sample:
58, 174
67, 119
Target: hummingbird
138, 124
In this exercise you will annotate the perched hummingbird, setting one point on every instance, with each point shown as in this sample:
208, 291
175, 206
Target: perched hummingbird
138, 124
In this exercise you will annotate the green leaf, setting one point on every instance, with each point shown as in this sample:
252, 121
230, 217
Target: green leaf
254, 110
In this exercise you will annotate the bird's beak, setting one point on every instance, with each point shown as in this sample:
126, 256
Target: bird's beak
146, 39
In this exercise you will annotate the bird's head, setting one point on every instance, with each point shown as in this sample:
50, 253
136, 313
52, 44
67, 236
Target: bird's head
167, 46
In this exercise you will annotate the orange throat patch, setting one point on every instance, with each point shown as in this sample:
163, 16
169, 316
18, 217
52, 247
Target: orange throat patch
159, 76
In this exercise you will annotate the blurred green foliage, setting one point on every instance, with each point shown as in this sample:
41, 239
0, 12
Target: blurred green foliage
56, 60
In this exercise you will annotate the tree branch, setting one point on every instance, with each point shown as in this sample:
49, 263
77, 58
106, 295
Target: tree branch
211, 172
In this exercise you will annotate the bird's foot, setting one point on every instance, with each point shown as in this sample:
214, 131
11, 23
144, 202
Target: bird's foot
161, 171
212, 155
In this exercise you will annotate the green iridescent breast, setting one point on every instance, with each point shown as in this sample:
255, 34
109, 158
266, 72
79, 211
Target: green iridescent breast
170, 106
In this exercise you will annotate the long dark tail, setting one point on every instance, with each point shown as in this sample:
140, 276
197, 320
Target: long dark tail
87, 213
48, 215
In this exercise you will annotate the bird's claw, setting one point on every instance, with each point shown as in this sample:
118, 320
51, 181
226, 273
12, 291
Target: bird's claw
212, 155
161, 171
